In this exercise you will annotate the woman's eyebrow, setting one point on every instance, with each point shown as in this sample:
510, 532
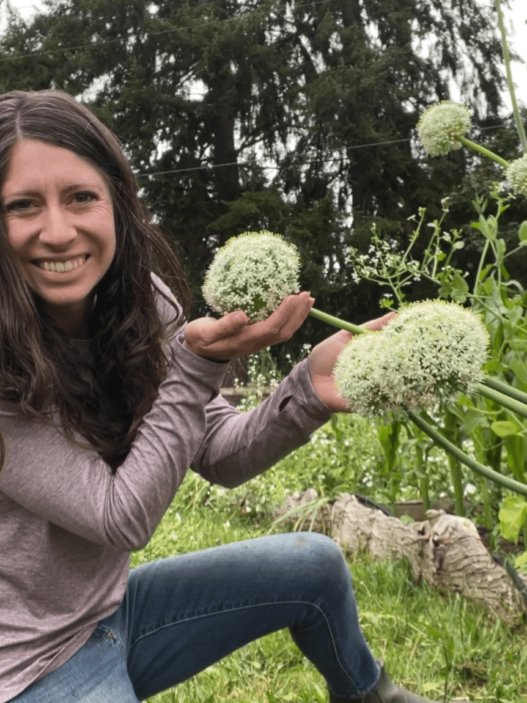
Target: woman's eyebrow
73, 186
80, 186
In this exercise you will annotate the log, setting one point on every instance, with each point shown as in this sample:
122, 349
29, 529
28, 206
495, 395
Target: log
443, 550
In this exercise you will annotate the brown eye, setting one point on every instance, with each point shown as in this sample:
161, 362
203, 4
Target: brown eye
84, 197
19, 206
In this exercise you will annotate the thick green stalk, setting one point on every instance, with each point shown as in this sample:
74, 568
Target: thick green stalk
456, 474
336, 322
504, 388
479, 447
483, 151
424, 483
510, 83
480, 469
505, 401
487, 508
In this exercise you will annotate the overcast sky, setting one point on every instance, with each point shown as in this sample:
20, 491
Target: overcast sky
516, 20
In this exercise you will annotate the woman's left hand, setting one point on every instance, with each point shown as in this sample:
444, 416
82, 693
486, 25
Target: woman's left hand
323, 358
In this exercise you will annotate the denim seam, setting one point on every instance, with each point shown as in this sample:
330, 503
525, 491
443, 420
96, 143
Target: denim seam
113, 634
257, 605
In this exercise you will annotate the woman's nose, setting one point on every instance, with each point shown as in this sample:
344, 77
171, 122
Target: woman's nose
57, 230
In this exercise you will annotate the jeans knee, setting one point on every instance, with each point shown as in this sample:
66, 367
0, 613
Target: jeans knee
325, 556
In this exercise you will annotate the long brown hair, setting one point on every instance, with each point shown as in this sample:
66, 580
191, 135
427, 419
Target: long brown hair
39, 363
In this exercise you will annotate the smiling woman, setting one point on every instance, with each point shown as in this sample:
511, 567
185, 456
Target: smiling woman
106, 398
60, 224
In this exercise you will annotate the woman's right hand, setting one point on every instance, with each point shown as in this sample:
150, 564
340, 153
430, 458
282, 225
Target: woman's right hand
232, 335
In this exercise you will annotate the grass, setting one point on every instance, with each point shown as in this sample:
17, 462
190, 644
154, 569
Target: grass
439, 646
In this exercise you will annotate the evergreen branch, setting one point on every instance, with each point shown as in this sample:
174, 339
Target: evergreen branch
472, 464
482, 150
510, 83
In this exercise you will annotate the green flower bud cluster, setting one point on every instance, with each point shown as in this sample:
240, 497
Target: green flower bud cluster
440, 126
253, 272
429, 354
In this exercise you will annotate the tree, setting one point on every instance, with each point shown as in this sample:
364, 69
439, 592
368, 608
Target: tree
297, 117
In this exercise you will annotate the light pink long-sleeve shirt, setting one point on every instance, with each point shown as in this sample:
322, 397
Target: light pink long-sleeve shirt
67, 523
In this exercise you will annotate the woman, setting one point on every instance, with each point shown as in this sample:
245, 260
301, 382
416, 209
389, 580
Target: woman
106, 398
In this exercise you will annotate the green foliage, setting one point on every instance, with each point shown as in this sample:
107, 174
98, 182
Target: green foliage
512, 515
495, 435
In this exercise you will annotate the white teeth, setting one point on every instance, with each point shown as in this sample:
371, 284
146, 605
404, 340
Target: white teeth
61, 266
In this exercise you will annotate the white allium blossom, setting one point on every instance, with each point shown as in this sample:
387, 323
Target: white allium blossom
363, 374
253, 272
441, 124
517, 175
429, 353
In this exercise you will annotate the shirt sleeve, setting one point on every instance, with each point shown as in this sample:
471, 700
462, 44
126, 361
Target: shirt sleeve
237, 447
75, 489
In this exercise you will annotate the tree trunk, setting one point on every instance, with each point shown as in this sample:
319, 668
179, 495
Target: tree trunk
444, 550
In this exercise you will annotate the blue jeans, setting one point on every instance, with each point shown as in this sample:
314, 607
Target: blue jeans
181, 614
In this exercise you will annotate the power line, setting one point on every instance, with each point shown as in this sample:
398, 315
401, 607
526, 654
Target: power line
276, 168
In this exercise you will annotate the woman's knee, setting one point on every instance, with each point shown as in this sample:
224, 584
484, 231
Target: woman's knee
322, 554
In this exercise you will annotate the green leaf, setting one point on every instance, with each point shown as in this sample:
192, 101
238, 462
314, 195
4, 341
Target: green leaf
493, 367
520, 560
522, 234
516, 450
472, 420
501, 248
488, 227
512, 515
459, 289
519, 368
504, 428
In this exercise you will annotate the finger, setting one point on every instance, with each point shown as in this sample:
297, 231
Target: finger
208, 331
298, 313
379, 322
284, 321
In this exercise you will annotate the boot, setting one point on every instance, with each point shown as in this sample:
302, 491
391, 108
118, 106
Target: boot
384, 692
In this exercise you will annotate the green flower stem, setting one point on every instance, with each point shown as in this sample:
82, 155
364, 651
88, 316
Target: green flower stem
506, 401
336, 322
487, 507
456, 474
481, 150
506, 389
424, 483
450, 448
512, 91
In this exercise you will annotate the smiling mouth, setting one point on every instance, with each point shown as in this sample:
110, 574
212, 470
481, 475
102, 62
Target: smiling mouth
62, 266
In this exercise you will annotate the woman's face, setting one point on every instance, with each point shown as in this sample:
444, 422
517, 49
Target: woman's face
60, 224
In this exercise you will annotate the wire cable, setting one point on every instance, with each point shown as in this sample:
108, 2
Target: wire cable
275, 168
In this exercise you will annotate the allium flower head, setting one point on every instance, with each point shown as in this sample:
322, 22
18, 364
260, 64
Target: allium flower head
517, 175
441, 124
253, 272
363, 375
430, 353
